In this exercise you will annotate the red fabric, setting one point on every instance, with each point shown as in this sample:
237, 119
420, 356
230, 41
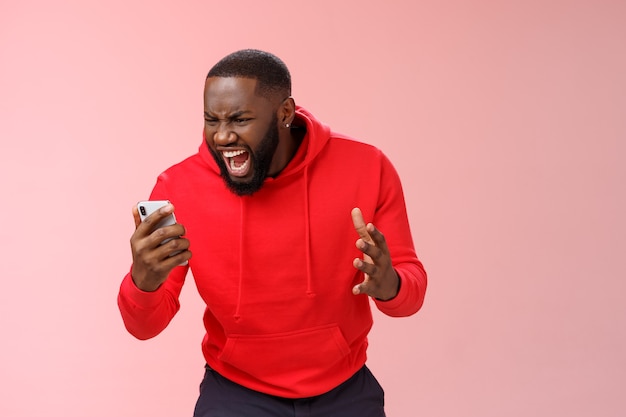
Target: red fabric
275, 268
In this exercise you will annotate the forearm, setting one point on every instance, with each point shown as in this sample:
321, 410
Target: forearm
392, 219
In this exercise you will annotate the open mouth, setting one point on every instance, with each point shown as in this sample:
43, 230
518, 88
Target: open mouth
237, 162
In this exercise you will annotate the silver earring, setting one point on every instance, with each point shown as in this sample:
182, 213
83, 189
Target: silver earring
287, 125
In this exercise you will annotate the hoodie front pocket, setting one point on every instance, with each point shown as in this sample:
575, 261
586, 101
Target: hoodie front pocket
292, 356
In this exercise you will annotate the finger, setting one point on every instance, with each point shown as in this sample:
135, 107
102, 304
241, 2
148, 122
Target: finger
165, 234
359, 224
172, 248
368, 248
377, 237
362, 288
178, 257
159, 258
150, 222
369, 269
379, 247
136, 217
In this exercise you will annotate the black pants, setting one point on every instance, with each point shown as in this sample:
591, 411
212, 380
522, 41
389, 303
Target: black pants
359, 396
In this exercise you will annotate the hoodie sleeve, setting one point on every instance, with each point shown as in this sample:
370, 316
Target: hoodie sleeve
146, 314
392, 220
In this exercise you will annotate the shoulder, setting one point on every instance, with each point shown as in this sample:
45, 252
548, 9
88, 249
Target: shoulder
352, 153
340, 142
184, 168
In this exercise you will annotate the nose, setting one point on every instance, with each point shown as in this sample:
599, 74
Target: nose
223, 136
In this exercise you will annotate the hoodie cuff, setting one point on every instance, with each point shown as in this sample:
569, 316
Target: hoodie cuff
395, 303
146, 300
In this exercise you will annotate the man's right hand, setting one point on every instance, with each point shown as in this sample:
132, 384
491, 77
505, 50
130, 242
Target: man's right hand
153, 261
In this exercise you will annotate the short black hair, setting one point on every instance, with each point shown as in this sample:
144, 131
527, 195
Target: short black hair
269, 70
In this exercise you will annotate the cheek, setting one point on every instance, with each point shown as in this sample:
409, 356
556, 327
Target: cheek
248, 137
207, 134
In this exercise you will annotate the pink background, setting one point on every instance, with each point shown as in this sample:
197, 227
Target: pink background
505, 119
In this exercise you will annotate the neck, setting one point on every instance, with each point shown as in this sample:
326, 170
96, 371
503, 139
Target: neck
290, 140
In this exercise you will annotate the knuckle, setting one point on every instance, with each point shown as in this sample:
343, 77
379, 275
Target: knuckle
151, 219
174, 244
155, 269
138, 252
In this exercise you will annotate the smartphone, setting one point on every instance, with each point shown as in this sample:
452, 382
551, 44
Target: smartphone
146, 208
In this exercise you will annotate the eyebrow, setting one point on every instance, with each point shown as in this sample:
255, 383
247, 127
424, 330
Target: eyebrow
232, 116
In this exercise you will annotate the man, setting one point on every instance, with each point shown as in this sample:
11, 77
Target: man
266, 205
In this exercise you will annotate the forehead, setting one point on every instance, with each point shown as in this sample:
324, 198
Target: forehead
231, 93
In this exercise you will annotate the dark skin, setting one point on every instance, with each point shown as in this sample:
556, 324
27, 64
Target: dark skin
237, 117
152, 262
381, 280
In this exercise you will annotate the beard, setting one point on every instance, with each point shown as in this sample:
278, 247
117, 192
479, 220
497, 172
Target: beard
261, 161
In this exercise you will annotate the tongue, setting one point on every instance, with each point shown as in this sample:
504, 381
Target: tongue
240, 159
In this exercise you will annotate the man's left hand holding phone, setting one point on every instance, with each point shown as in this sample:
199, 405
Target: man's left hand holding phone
157, 245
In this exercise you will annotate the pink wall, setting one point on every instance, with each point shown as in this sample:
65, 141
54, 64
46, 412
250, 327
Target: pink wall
506, 121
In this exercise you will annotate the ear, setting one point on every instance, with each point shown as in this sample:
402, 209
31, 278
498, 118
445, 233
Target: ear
286, 112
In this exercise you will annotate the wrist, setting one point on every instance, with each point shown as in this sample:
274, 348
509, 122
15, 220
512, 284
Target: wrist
144, 284
397, 288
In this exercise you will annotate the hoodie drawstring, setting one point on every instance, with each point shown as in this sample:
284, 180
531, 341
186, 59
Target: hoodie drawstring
307, 234
237, 315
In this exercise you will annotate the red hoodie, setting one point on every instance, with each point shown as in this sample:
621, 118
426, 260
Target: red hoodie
275, 268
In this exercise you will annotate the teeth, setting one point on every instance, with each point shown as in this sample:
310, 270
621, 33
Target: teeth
231, 154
